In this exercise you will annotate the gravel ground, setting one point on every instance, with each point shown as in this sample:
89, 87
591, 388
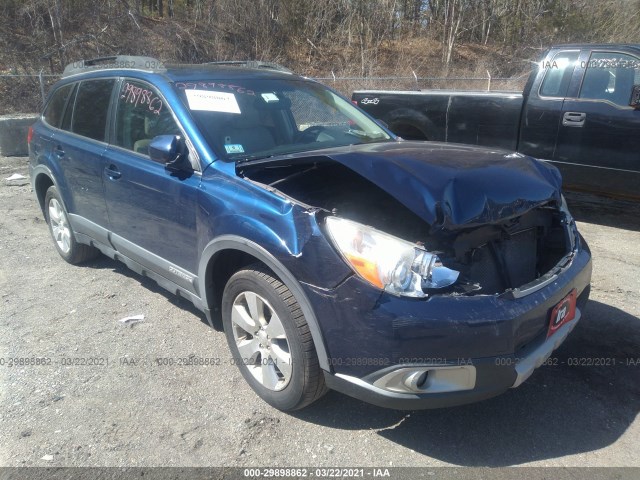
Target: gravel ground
129, 411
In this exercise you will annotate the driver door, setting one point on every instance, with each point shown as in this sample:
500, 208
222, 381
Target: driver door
152, 211
597, 141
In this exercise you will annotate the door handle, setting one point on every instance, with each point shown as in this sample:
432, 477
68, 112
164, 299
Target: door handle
59, 151
574, 119
112, 172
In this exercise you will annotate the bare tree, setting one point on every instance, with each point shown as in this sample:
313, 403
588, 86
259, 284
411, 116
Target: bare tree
333, 35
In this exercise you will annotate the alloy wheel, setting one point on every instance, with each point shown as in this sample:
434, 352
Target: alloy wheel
261, 340
59, 226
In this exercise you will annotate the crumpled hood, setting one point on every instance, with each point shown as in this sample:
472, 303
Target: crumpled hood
455, 186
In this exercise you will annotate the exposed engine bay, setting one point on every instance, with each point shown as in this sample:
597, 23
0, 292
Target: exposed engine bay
491, 258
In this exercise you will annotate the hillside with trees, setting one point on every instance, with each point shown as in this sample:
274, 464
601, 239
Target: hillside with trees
314, 37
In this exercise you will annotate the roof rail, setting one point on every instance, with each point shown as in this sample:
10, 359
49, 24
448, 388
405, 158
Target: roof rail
119, 61
252, 64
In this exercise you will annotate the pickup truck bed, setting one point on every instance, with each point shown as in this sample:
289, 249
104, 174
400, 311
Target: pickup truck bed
477, 117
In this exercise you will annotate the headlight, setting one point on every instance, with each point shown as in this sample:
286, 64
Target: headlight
387, 262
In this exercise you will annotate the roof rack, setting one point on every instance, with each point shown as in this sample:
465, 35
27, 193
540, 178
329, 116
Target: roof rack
252, 64
119, 61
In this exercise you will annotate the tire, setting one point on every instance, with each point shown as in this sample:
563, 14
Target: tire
270, 340
65, 242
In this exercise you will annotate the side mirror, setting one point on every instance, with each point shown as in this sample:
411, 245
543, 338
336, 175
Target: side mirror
171, 151
635, 97
382, 123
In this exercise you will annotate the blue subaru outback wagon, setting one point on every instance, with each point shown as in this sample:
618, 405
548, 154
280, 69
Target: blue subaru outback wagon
332, 253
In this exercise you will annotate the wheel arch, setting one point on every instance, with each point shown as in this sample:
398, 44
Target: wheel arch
42, 180
411, 124
227, 254
408, 131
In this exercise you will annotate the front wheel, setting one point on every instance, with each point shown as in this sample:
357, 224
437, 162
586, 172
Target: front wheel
270, 340
61, 232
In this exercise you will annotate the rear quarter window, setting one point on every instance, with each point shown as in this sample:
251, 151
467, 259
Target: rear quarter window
68, 113
55, 108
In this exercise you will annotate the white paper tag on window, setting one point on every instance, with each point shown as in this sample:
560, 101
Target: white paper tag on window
204, 100
270, 97
235, 148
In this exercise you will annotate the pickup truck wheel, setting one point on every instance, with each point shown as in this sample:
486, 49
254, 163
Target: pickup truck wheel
61, 232
270, 340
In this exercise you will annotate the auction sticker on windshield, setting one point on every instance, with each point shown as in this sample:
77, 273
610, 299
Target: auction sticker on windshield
212, 101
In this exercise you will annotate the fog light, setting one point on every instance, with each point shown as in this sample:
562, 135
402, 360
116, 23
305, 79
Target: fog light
414, 381
427, 379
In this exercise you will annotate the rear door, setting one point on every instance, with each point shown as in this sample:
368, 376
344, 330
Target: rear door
78, 147
152, 212
598, 139
41, 144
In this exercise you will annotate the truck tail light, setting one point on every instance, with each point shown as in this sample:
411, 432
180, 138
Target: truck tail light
30, 135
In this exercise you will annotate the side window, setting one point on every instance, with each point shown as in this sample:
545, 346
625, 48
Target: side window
92, 108
610, 76
558, 74
141, 116
55, 108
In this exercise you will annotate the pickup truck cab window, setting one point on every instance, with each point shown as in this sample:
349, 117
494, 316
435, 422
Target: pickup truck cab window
558, 74
610, 76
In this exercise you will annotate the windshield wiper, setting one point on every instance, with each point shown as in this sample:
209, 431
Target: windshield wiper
249, 158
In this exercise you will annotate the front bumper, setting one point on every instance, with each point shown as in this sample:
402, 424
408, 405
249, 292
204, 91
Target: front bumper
478, 346
491, 377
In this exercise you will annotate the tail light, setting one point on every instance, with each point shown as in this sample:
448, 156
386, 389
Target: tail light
30, 135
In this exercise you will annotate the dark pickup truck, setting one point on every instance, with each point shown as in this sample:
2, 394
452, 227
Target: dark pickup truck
580, 109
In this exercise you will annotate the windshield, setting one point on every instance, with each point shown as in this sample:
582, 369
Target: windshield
250, 119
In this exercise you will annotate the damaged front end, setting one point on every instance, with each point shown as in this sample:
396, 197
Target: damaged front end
515, 257
405, 234
460, 256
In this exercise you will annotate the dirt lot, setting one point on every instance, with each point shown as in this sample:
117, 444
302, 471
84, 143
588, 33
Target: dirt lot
129, 411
